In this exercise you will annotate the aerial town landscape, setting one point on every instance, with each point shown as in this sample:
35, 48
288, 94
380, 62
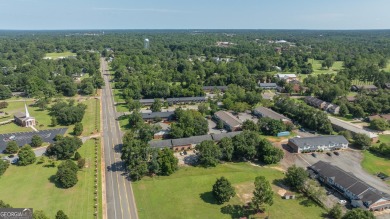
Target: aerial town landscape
128, 123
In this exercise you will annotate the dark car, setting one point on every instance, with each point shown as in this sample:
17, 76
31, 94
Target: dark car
336, 153
329, 154
314, 154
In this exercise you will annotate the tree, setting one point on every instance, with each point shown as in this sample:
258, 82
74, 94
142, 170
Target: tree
53, 121
223, 190
67, 113
77, 155
42, 103
245, 145
36, 141
358, 213
26, 156
5, 92
66, 174
203, 108
343, 110
135, 155
220, 124
133, 105
249, 125
81, 163
379, 124
3, 166
12, 147
267, 153
39, 214
135, 120
64, 147
227, 148
270, 126
61, 215
78, 129
262, 194
335, 212
362, 141
347, 134
4, 205
209, 153
296, 177
167, 162
156, 105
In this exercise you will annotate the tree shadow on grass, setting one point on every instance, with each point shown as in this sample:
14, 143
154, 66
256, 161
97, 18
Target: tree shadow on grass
307, 202
53, 180
237, 211
208, 198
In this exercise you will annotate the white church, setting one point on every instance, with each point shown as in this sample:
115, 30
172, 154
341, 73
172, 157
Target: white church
24, 119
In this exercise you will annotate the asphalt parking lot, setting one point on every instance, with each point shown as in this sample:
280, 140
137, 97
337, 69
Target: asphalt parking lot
23, 138
348, 160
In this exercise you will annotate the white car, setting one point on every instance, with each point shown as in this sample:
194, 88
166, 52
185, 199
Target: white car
343, 202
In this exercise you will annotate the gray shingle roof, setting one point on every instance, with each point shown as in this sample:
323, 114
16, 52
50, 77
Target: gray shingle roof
319, 140
157, 114
365, 192
268, 85
218, 137
228, 118
20, 115
190, 140
161, 144
266, 112
185, 99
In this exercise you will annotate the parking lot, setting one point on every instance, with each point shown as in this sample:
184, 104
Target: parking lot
348, 160
23, 138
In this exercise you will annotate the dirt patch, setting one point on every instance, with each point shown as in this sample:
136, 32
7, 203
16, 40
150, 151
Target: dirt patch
281, 192
244, 191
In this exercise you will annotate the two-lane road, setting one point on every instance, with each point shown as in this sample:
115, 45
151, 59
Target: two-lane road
120, 202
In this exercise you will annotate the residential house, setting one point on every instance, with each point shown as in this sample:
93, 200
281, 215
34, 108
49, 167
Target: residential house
268, 86
382, 116
329, 107
287, 77
269, 113
230, 122
371, 88
342, 125
311, 144
357, 191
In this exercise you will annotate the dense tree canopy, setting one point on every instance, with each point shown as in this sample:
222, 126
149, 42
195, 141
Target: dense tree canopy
26, 156
64, 148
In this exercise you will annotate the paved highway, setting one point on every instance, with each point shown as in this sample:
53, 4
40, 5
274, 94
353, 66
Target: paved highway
120, 202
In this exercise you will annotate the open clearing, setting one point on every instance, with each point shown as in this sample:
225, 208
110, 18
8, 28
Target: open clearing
317, 67
55, 55
31, 186
187, 194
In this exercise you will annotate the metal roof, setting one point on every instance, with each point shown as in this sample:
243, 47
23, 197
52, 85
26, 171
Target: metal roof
161, 143
218, 137
157, 114
228, 118
350, 127
190, 140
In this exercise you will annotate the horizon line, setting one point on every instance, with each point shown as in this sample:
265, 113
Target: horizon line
111, 29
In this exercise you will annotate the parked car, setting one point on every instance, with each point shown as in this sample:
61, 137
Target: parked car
343, 202
336, 153
314, 154
11, 156
329, 154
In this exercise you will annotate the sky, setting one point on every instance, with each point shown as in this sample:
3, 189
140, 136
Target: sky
194, 14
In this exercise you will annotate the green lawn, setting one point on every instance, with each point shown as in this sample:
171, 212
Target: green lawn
122, 108
374, 164
42, 117
30, 186
187, 194
117, 95
384, 139
55, 55
317, 67
91, 114
124, 123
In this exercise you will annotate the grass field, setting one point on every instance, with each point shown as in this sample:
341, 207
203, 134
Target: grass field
122, 108
30, 186
89, 123
41, 117
359, 82
187, 194
118, 95
317, 67
374, 164
55, 55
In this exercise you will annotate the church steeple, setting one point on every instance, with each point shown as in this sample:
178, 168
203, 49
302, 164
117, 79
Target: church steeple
27, 114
